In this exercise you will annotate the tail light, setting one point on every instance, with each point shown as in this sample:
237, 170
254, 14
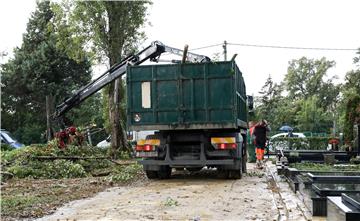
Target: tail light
147, 145
226, 146
224, 143
145, 148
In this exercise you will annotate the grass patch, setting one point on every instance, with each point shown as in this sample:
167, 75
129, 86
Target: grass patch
170, 202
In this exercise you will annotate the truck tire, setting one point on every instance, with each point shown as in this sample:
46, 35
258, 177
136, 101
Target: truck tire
244, 160
164, 172
244, 154
235, 174
223, 174
150, 174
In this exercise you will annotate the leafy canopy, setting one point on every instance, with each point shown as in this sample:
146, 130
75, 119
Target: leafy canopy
39, 68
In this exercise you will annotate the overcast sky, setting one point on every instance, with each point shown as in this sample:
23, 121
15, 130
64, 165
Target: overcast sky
304, 23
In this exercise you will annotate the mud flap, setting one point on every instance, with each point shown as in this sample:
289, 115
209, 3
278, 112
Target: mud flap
244, 154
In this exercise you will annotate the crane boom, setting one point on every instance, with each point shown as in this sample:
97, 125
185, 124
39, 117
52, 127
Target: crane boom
152, 52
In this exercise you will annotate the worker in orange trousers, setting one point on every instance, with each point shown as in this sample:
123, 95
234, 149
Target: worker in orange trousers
260, 138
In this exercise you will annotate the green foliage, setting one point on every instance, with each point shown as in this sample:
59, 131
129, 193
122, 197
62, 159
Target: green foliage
64, 169
270, 100
352, 116
349, 107
6, 147
309, 102
325, 167
113, 29
312, 117
298, 143
25, 162
125, 174
305, 76
10, 205
170, 202
39, 68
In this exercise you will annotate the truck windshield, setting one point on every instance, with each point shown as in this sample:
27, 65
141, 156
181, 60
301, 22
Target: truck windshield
7, 137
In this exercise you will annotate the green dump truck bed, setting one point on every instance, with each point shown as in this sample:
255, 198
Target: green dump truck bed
186, 96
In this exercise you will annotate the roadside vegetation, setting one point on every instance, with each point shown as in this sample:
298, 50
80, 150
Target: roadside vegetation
309, 100
326, 167
38, 178
302, 143
61, 43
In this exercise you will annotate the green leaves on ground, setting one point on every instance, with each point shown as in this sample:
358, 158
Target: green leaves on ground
170, 202
27, 163
124, 174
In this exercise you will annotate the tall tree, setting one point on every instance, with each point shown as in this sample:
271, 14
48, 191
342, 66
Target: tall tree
306, 79
349, 106
269, 100
312, 117
305, 76
113, 30
38, 68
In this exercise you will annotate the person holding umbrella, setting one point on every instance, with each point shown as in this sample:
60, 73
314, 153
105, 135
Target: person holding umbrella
260, 135
287, 129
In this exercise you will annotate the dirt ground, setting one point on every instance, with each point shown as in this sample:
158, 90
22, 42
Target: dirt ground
186, 196
29, 198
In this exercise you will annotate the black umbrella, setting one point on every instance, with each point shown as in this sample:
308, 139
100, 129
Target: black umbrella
286, 128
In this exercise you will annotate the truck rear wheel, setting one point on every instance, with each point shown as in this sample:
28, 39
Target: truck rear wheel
150, 174
164, 172
237, 173
243, 161
223, 173
244, 155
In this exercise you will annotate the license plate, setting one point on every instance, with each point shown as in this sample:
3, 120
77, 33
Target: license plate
147, 154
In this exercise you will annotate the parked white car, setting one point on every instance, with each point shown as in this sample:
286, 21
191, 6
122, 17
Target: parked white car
135, 136
105, 143
287, 135
7, 138
282, 145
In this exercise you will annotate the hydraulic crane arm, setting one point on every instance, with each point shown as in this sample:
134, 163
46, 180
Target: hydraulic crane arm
151, 52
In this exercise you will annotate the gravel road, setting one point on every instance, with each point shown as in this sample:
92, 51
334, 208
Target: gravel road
186, 196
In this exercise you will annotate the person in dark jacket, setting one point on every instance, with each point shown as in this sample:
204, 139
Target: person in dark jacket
260, 134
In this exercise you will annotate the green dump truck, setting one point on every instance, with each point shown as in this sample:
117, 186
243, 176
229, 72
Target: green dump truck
198, 111
197, 108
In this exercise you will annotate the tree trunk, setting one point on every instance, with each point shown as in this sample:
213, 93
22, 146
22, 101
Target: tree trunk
115, 46
49, 99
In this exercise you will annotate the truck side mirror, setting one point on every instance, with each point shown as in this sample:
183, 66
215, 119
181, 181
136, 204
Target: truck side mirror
250, 103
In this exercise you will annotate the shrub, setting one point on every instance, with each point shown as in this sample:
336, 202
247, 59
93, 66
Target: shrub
25, 162
6, 147
299, 143
124, 174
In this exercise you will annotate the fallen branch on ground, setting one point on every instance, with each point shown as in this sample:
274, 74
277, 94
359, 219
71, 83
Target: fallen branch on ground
127, 162
69, 158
